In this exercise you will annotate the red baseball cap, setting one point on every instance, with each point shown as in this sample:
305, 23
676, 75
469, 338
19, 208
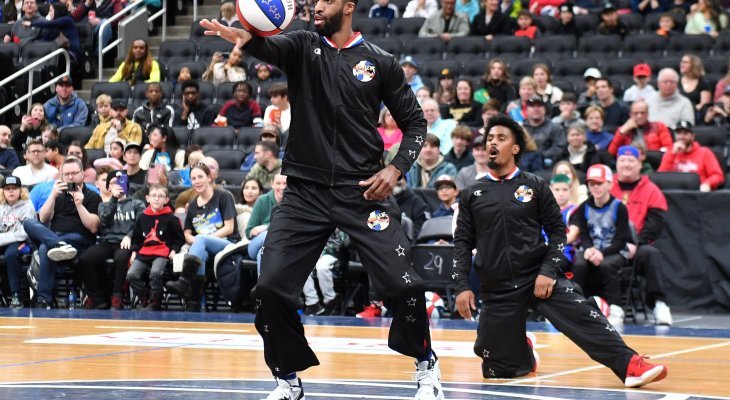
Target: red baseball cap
642, 70
599, 173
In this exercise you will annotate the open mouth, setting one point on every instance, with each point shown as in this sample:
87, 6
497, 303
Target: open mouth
493, 152
318, 20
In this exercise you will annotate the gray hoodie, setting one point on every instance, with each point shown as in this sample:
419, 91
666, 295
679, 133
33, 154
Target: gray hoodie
11, 221
118, 217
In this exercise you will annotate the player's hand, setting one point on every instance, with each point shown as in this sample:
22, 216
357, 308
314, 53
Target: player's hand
381, 185
465, 303
543, 287
126, 243
237, 36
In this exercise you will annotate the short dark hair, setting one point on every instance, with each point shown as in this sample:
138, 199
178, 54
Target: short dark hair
149, 85
190, 83
608, 82
433, 140
569, 97
242, 84
32, 143
269, 146
518, 132
278, 89
157, 186
54, 145
191, 149
525, 13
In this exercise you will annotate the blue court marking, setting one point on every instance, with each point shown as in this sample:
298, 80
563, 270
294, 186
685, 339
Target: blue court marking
314, 389
228, 317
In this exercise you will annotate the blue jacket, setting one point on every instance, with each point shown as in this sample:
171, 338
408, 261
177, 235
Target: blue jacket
74, 113
8, 158
414, 174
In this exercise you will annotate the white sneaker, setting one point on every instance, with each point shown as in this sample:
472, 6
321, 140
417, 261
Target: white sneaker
662, 315
287, 391
62, 252
616, 316
532, 342
428, 376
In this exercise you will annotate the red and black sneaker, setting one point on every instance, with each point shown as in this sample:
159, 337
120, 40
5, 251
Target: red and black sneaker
373, 310
532, 342
117, 303
640, 372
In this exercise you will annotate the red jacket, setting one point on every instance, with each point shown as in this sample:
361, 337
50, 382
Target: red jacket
530, 32
700, 160
645, 195
656, 138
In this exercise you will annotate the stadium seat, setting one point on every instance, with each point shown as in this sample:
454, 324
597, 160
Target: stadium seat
574, 66
36, 50
247, 138
474, 69
510, 47
664, 62
80, 133
466, 48
600, 47
177, 51
633, 21
713, 137
435, 229
717, 64
405, 28
182, 135
214, 137
227, 159
622, 66
231, 177
12, 50
555, 46
523, 67
94, 154
362, 9
586, 24
434, 68
424, 49
392, 45
209, 45
196, 31
647, 46
654, 158
371, 27
546, 24
5, 29
139, 94
197, 69
401, 4
676, 180
206, 93
115, 90
700, 45
651, 22
566, 85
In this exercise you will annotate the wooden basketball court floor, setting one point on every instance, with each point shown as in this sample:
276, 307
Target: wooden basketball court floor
49, 354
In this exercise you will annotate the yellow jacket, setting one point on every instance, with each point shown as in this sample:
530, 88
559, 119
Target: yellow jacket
131, 132
154, 74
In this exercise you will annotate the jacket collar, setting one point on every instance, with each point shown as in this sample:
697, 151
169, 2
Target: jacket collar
355, 40
509, 176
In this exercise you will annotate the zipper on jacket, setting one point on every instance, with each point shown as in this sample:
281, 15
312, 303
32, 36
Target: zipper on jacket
506, 235
336, 92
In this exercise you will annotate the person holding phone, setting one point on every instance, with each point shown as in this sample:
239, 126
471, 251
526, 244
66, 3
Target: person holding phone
31, 127
224, 68
68, 224
118, 215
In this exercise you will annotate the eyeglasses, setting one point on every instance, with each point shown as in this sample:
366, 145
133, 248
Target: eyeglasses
157, 196
70, 174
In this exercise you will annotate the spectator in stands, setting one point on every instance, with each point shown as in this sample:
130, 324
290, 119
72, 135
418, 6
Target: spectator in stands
164, 149
722, 84
35, 170
49, 133
31, 127
446, 24
596, 134
647, 208
560, 186
192, 113
12, 11
641, 89
646, 7
526, 26
429, 165
532, 160
119, 127
719, 114
269, 133
410, 70
135, 174
228, 14
183, 198
8, 156
230, 70
610, 24
138, 66
58, 27
489, 110
694, 86
242, 110
448, 195
251, 190
438, 126
115, 157
333, 250
495, 84
549, 137
638, 130
263, 73
154, 240
305, 10
411, 205
588, 96
444, 98
278, 113
616, 111
54, 154
14, 210
511, 8
578, 192
517, 109
103, 10
423, 93
420, 9
459, 155
469, 174
66, 109
569, 114
154, 111
75, 149
667, 26
258, 224
268, 164
707, 18
181, 177
668, 106
566, 20
72, 212
603, 228
103, 110
210, 225
21, 33
580, 152
470, 8
445, 84
491, 22
550, 94
388, 129
464, 109
183, 75
689, 156
383, 9
117, 215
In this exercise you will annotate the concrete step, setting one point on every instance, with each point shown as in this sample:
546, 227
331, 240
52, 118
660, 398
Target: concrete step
206, 11
184, 20
156, 41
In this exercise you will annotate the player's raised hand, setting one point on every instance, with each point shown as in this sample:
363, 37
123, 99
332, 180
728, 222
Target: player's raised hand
237, 36
465, 303
381, 185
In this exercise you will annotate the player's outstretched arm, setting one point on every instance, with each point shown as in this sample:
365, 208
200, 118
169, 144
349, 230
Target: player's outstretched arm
237, 36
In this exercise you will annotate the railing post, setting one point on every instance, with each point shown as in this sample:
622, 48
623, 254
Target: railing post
29, 69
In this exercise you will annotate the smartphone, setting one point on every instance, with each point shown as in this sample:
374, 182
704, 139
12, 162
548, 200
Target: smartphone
72, 187
123, 182
226, 55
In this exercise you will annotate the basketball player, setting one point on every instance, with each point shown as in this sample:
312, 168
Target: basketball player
336, 179
502, 216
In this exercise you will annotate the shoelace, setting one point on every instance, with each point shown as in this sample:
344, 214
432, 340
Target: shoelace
640, 364
283, 391
424, 378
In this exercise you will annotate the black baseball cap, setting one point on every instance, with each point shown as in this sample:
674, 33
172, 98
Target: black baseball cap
130, 146
118, 103
66, 80
608, 7
684, 126
11, 181
535, 101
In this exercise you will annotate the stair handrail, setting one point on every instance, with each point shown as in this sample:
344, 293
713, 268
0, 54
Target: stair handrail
29, 69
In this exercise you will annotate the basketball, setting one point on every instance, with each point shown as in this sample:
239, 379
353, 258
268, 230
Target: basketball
602, 305
434, 305
265, 17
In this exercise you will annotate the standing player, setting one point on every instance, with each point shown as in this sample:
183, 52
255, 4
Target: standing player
501, 216
337, 81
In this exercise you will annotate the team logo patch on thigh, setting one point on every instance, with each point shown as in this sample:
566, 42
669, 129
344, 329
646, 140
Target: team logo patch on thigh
524, 194
378, 220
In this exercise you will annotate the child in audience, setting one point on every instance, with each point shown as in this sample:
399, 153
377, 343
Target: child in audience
526, 28
14, 209
163, 149
103, 110
155, 239
49, 133
666, 26
560, 186
263, 72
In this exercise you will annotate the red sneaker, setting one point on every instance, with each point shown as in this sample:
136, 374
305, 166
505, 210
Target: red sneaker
639, 372
532, 341
117, 303
373, 310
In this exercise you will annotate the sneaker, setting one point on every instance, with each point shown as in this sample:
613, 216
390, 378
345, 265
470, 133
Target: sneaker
662, 315
373, 310
314, 309
15, 301
532, 342
616, 316
330, 306
117, 303
95, 304
428, 376
640, 372
42, 304
62, 252
286, 391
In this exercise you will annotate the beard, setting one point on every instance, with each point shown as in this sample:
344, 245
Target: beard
332, 24
493, 164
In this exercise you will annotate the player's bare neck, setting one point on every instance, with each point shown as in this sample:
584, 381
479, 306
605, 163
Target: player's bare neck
341, 37
502, 170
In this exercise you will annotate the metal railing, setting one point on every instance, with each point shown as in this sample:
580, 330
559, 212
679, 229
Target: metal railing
29, 69
127, 10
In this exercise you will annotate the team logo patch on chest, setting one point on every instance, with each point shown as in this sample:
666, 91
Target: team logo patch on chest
378, 220
524, 194
364, 71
